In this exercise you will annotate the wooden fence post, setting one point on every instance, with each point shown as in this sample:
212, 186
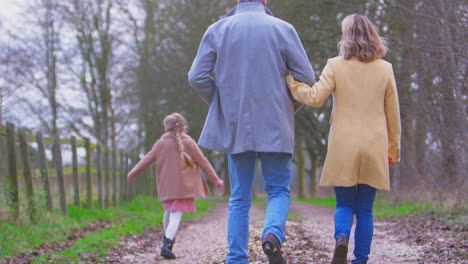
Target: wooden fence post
132, 185
12, 186
27, 175
127, 170
114, 178
89, 189
99, 176
135, 183
122, 177
126, 185
61, 182
76, 183
44, 172
106, 177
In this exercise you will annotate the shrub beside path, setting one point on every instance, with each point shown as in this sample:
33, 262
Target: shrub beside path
309, 240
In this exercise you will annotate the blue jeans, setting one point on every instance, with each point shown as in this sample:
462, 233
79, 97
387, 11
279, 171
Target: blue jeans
357, 200
277, 171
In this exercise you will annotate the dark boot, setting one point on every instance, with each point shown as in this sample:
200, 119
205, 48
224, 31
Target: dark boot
166, 249
341, 250
169, 246
272, 248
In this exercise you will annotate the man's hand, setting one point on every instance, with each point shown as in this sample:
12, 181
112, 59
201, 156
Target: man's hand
129, 180
390, 162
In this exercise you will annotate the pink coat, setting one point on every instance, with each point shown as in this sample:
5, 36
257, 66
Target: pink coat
174, 180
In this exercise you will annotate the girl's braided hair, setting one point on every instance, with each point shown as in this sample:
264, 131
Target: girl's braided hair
176, 124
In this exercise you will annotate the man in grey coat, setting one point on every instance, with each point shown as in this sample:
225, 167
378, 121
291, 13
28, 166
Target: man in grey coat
240, 71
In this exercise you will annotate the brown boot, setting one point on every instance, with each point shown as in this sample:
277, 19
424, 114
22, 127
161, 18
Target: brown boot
272, 248
341, 250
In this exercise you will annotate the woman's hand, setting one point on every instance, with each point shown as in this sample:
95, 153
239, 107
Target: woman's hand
290, 80
220, 183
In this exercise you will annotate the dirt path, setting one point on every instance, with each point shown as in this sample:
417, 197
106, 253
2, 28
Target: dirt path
199, 242
309, 241
386, 248
204, 242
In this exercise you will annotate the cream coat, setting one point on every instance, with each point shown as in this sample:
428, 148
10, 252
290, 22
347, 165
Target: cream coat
365, 121
174, 180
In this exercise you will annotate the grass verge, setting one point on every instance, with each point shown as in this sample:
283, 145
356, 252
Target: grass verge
129, 218
383, 207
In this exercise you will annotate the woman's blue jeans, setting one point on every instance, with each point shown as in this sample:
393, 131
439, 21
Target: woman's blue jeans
350, 201
277, 171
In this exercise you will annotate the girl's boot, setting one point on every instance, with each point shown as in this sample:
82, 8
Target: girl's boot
171, 245
166, 248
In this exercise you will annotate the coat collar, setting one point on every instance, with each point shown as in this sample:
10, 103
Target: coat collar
248, 7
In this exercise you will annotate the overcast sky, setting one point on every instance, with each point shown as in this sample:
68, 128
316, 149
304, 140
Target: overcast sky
9, 10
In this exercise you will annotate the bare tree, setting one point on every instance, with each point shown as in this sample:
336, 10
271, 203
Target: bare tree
92, 20
7, 74
34, 63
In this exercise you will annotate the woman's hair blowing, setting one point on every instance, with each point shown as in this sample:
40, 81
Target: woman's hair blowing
361, 39
175, 123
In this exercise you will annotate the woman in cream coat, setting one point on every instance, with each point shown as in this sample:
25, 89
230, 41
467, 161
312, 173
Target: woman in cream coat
365, 130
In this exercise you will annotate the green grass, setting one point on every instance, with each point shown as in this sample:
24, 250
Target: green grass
383, 207
129, 218
327, 201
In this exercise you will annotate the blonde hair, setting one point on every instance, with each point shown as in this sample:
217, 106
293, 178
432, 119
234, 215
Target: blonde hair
176, 124
360, 38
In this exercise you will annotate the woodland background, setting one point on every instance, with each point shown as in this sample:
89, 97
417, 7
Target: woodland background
111, 70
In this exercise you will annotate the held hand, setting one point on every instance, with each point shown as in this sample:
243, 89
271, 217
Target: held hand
390, 162
289, 80
220, 183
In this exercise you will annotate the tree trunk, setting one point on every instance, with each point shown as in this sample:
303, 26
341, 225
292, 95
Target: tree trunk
301, 186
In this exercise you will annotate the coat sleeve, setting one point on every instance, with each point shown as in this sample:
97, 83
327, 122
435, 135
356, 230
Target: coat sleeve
200, 74
202, 161
316, 95
143, 164
298, 63
392, 113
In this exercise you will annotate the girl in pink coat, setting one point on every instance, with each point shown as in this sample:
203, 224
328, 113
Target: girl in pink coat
179, 166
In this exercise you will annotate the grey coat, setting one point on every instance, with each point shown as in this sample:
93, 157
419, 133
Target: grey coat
251, 109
